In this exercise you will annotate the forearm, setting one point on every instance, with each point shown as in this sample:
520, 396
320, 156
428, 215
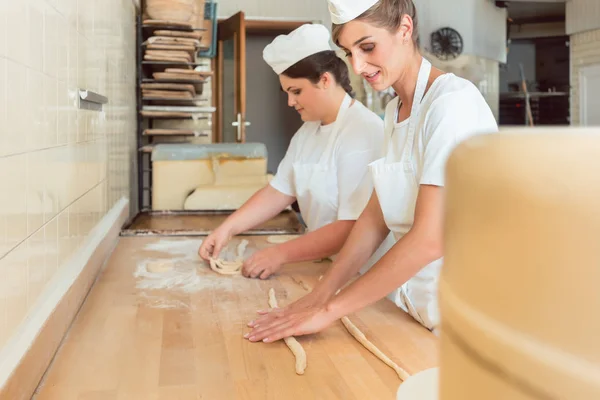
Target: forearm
262, 206
366, 236
321, 243
408, 256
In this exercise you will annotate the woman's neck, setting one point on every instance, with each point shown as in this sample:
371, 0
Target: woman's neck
406, 84
337, 98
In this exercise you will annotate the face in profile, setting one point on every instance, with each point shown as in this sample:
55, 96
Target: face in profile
307, 98
376, 54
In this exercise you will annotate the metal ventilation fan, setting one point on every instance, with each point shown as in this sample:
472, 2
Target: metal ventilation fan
446, 44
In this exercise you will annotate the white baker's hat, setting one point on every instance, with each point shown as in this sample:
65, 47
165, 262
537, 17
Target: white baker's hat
343, 11
286, 50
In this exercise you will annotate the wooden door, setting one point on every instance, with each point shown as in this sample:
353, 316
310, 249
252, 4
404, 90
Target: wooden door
231, 82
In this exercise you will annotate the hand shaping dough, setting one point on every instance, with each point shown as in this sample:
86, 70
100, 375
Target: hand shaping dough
278, 239
291, 342
230, 267
157, 267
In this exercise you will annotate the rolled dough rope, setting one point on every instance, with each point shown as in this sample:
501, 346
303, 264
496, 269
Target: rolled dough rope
291, 342
241, 249
362, 339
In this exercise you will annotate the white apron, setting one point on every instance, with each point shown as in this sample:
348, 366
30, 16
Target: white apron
397, 187
317, 190
316, 184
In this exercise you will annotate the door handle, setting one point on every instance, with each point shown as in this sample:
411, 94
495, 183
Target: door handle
239, 125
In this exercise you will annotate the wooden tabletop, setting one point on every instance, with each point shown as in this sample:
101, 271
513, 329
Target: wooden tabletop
179, 335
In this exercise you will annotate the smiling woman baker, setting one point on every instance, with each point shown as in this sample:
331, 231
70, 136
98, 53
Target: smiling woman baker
433, 112
326, 166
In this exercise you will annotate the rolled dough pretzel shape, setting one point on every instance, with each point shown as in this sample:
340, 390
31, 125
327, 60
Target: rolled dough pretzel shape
230, 267
291, 342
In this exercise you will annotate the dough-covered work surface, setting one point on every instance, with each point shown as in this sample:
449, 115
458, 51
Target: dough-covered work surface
186, 223
168, 335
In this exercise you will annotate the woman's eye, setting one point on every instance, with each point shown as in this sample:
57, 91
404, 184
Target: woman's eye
368, 48
348, 54
296, 92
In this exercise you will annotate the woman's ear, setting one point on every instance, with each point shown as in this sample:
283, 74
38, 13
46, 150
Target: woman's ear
326, 80
406, 29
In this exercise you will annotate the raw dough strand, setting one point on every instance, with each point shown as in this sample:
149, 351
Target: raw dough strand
291, 342
362, 339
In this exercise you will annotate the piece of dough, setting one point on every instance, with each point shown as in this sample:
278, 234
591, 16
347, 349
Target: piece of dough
158, 267
362, 339
226, 267
230, 267
278, 239
291, 342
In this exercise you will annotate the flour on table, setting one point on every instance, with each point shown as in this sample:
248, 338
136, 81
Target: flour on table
177, 249
158, 267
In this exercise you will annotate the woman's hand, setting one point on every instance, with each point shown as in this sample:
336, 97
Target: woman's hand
214, 243
311, 304
264, 263
300, 322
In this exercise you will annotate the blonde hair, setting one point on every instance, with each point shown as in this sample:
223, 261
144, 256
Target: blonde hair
386, 14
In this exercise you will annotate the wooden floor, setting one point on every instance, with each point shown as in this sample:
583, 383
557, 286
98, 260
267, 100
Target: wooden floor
151, 337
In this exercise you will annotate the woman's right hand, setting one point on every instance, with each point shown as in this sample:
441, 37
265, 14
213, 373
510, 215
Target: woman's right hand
213, 244
317, 298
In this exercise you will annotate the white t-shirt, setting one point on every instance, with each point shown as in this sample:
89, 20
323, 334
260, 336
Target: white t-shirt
452, 110
358, 143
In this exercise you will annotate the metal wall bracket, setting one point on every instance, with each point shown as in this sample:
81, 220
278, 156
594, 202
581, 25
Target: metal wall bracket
89, 100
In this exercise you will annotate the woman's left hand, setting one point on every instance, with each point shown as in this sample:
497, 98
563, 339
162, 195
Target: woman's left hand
301, 322
263, 263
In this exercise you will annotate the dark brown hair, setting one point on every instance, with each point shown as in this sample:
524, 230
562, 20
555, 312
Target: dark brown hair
314, 66
386, 14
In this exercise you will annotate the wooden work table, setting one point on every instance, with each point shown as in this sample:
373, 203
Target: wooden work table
132, 342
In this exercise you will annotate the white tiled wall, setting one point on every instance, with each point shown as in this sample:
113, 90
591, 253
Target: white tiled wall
585, 51
61, 168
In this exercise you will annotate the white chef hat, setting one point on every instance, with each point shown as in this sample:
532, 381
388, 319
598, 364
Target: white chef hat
286, 50
343, 11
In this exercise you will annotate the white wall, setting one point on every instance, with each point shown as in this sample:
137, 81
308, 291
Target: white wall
583, 24
309, 10
582, 15
481, 24
62, 168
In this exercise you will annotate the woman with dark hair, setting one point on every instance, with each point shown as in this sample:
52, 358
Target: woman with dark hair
326, 165
433, 112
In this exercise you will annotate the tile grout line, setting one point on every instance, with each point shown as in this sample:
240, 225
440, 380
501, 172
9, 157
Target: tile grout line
51, 220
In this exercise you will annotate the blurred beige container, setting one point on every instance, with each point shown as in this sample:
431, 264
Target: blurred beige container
519, 292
